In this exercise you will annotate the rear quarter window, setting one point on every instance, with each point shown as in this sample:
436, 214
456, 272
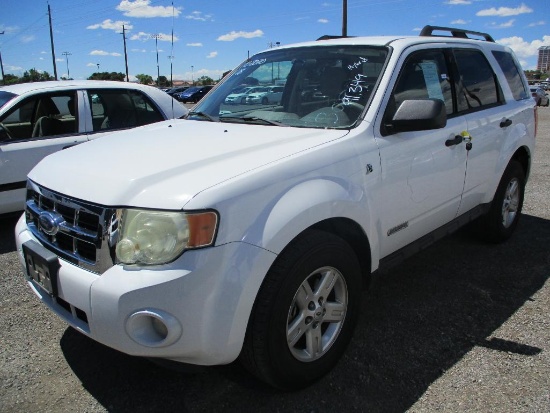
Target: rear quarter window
512, 73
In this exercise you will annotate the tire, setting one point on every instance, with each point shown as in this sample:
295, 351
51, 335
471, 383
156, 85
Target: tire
292, 312
500, 222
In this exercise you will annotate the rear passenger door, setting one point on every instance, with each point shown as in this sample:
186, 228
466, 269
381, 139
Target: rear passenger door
490, 121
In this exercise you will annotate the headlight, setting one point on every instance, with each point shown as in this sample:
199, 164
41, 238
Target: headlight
158, 237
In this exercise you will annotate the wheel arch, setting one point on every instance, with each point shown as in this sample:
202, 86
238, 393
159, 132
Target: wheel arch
330, 205
523, 156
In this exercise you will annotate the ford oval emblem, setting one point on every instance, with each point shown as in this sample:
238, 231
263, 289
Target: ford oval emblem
50, 222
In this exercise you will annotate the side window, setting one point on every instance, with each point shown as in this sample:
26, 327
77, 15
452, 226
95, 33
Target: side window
42, 116
424, 75
513, 74
478, 85
119, 109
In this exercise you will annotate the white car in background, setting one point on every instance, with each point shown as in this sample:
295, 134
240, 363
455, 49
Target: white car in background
239, 95
37, 119
271, 94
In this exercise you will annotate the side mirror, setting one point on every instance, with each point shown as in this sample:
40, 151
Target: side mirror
418, 115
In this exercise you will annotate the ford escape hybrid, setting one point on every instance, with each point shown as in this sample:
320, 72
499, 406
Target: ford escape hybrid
247, 231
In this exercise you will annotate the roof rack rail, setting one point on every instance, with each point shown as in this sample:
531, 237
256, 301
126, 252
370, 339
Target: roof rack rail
330, 37
460, 33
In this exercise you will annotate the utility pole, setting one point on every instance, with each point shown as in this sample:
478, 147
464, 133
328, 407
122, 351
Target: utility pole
67, 54
171, 59
51, 41
2, 67
125, 53
157, 37
344, 18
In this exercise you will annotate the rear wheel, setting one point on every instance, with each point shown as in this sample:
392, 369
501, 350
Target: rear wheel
305, 312
501, 220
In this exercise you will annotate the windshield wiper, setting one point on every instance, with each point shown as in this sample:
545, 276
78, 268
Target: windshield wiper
202, 115
252, 119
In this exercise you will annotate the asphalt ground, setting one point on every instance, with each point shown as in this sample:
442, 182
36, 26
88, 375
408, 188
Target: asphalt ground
461, 327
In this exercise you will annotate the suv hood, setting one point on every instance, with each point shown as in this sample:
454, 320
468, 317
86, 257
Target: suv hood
166, 164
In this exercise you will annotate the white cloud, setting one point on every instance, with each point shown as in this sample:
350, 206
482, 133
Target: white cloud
9, 29
322, 21
229, 37
111, 25
28, 38
143, 8
162, 37
522, 48
459, 2
506, 25
194, 44
459, 21
539, 23
505, 11
212, 55
198, 15
103, 53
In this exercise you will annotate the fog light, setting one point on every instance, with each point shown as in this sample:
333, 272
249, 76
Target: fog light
153, 328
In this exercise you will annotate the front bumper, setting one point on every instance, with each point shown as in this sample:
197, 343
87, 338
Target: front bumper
194, 310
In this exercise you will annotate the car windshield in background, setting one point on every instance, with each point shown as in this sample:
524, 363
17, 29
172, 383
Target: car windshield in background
313, 87
5, 97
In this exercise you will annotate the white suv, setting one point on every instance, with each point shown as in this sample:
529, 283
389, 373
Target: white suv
248, 232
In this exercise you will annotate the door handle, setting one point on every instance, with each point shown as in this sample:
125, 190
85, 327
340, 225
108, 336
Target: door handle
505, 123
454, 141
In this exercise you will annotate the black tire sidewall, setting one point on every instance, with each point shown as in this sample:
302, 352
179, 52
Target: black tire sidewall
497, 232
287, 371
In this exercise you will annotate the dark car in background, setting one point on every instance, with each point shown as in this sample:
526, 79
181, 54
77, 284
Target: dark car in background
193, 94
173, 90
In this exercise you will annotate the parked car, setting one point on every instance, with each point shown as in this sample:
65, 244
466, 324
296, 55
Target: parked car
37, 119
249, 232
270, 95
540, 96
239, 94
173, 90
193, 94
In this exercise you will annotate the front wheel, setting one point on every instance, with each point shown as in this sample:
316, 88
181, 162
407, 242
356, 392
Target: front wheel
305, 312
503, 216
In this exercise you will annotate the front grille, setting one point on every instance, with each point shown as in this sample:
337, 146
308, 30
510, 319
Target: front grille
85, 234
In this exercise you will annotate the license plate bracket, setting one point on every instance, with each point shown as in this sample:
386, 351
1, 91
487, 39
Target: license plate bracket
42, 266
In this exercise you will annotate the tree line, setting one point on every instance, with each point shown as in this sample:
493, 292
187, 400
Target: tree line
34, 75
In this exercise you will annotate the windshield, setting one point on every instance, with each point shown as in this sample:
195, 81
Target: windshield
5, 97
314, 87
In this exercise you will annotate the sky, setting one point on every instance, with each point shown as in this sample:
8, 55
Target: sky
209, 37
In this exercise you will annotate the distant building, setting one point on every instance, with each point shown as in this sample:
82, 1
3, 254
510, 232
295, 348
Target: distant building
543, 62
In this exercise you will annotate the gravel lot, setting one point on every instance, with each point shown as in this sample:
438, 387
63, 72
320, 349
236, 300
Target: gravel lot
462, 326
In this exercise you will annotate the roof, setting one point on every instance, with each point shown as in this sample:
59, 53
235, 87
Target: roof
21, 88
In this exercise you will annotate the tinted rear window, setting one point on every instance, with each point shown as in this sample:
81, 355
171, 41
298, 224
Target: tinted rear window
513, 74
